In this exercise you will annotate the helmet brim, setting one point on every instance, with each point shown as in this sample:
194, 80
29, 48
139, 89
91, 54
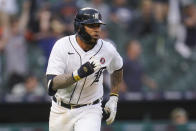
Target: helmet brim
95, 21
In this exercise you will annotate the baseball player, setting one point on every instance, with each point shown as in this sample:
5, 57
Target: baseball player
75, 76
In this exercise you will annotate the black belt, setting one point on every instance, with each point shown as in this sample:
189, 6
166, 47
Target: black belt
72, 106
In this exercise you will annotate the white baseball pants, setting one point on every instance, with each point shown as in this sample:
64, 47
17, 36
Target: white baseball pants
86, 118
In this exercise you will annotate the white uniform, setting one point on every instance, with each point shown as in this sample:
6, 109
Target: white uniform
66, 57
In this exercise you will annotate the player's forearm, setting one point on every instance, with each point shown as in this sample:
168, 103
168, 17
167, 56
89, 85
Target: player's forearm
65, 80
62, 81
116, 79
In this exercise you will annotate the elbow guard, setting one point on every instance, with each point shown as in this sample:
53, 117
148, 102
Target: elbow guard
51, 92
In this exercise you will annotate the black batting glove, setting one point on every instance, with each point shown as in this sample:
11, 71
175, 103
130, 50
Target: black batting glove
86, 69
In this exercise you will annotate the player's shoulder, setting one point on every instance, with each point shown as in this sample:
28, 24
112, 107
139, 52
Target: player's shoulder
109, 46
62, 42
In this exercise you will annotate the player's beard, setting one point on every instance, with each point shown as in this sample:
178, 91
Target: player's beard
93, 41
87, 38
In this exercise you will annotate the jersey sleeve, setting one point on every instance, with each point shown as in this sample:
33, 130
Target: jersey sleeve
56, 63
116, 62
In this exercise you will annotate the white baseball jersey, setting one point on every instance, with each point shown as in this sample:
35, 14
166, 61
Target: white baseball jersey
67, 56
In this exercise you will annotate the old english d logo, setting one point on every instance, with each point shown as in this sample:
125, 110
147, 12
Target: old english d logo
98, 74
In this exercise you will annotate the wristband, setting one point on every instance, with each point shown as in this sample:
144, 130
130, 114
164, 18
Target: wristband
75, 76
114, 94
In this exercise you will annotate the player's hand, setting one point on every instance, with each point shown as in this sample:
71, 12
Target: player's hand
96, 63
111, 108
87, 69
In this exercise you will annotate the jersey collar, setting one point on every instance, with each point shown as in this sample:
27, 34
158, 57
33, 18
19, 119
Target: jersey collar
93, 51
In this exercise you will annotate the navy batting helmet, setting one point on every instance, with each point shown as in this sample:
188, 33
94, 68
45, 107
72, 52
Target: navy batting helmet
87, 16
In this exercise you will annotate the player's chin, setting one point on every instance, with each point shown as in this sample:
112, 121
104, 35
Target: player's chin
94, 40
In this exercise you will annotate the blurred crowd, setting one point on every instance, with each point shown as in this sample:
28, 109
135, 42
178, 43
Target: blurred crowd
156, 38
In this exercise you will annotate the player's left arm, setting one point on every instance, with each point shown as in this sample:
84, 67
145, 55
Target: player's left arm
116, 79
111, 105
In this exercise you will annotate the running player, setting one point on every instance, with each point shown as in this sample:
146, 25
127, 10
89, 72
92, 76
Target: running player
75, 76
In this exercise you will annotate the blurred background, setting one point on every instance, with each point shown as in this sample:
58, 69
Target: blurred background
156, 38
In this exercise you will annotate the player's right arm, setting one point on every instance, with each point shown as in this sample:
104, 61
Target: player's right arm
65, 80
56, 82
56, 78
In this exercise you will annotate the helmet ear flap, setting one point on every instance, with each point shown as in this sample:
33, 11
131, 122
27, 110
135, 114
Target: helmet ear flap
77, 26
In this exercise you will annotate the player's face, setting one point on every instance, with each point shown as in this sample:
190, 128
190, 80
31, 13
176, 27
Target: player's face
93, 30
